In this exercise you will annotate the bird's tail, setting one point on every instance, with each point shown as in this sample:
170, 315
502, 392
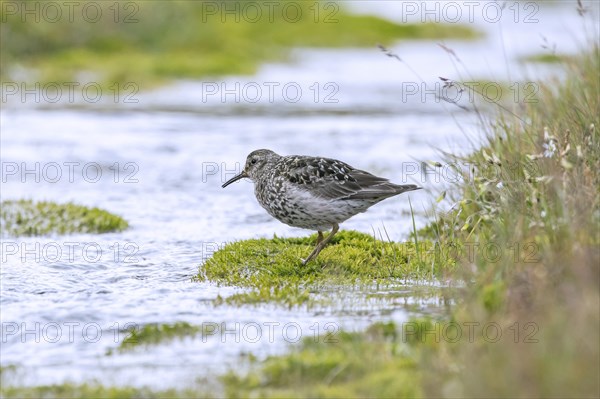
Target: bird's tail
406, 187
382, 191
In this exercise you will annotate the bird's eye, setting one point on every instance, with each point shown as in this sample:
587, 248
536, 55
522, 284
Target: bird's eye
253, 161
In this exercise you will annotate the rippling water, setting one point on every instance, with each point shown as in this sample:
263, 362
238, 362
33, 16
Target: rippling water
160, 164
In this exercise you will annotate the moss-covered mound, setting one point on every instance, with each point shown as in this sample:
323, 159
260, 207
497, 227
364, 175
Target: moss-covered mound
374, 363
273, 270
28, 218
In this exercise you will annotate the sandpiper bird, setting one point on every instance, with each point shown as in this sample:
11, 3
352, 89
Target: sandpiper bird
312, 192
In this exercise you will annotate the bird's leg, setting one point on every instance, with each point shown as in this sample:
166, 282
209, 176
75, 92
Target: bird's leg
319, 237
315, 251
321, 244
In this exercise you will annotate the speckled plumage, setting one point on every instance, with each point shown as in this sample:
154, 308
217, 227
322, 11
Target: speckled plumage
313, 192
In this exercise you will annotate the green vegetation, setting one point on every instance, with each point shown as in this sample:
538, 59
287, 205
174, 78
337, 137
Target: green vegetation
346, 365
149, 42
94, 391
272, 269
28, 218
541, 213
154, 334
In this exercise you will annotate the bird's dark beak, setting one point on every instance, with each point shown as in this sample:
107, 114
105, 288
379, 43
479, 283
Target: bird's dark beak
234, 179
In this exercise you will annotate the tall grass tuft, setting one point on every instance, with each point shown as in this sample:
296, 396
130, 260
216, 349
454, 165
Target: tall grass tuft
529, 214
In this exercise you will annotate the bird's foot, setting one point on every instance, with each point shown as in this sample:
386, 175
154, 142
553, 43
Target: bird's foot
312, 255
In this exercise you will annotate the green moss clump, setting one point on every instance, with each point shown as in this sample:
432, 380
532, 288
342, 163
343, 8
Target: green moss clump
154, 334
367, 364
273, 271
28, 218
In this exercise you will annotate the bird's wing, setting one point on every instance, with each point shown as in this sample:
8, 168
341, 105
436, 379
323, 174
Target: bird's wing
333, 179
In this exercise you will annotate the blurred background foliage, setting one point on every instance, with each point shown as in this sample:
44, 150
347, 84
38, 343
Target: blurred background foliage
149, 42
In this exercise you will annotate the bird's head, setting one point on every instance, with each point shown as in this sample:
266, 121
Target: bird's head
255, 163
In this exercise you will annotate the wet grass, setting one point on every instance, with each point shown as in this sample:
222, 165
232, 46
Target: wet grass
369, 364
272, 271
94, 391
29, 218
151, 50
